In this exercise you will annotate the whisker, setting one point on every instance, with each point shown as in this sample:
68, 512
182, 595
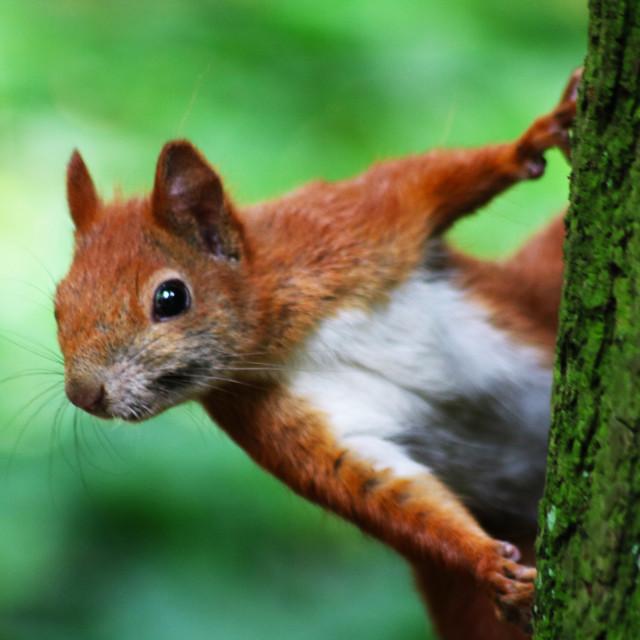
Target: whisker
48, 294
84, 454
108, 447
196, 90
37, 259
198, 421
257, 366
27, 373
232, 381
35, 409
32, 346
77, 448
55, 439
35, 303
49, 390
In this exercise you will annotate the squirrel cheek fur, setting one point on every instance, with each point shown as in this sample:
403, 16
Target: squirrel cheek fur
338, 340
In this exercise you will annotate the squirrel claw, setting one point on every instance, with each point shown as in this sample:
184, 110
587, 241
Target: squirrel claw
536, 166
510, 584
565, 112
508, 551
551, 130
570, 93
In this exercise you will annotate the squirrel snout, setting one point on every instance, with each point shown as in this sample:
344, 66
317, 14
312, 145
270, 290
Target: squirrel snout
88, 396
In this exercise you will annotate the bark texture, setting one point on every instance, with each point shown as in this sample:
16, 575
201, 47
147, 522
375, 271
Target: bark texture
589, 543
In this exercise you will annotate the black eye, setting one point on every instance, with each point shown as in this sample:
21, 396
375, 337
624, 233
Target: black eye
171, 299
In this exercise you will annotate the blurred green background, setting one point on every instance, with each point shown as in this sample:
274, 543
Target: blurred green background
165, 530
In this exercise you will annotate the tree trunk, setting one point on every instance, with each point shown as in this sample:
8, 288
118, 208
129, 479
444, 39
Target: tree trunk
589, 543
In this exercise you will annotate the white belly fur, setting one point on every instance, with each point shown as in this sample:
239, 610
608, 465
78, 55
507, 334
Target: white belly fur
426, 383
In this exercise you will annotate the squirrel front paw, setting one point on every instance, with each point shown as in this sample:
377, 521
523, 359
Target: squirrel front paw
510, 585
551, 130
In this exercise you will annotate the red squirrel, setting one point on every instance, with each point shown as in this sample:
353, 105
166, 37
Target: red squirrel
345, 347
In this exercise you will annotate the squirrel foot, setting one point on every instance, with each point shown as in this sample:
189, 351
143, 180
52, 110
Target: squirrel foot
510, 585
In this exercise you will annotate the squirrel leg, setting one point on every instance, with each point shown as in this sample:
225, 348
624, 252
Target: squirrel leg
462, 181
411, 511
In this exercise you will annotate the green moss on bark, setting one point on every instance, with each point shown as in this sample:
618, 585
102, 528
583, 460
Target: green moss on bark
589, 543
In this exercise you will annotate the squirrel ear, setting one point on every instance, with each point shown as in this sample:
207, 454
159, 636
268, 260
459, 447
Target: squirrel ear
188, 198
81, 194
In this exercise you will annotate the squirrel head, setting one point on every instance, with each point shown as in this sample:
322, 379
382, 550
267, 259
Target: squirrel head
154, 309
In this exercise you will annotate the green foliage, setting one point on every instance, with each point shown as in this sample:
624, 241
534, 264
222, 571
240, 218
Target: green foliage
165, 530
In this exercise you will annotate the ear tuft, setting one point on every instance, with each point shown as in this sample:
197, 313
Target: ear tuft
188, 198
81, 194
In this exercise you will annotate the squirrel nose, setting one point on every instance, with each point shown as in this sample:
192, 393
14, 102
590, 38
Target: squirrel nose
88, 396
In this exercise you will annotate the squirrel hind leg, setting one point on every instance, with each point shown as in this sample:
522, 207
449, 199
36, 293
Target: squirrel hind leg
458, 609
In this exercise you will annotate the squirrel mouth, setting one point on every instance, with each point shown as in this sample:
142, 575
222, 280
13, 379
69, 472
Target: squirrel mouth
176, 380
134, 413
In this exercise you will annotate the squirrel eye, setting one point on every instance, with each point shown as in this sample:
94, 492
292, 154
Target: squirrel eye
171, 299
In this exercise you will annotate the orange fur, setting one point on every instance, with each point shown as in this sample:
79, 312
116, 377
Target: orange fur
265, 278
414, 517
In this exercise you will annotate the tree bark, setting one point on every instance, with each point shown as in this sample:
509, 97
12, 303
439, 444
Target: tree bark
589, 543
